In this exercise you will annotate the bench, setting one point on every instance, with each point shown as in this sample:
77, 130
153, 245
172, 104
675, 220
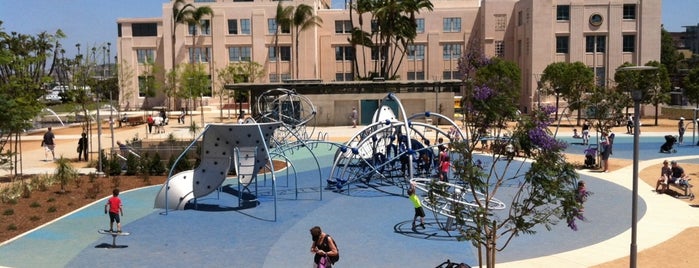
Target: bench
134, 120
683, 191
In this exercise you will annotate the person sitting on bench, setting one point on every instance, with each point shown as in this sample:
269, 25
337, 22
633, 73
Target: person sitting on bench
677, 175
665, 176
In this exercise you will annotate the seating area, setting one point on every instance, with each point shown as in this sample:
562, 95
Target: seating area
682, 190
133, 120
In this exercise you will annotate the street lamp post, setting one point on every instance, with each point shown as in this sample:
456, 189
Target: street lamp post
637, 96
111, 105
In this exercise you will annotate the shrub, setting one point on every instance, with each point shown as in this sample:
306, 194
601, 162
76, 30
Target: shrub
51, 209
8, 212
34, 204
12, 227
116, 181
65, 173
156, 165
26, 190
115, 166
92, 177
50, 200
34, 218
105, 162
132, 165
78, 181
93, 191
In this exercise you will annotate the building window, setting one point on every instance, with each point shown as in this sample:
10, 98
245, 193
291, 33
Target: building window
519, 19
595, 43
562, 44
600, 76
284, 53
144, 29
232, 26
375, 53
236, 54
374, 26
206, 27
451, 51
448, 75
274, 78
192, 29
416, 75
344, 53
416, 52
145, 55
199, 54
145, 84
344, 77
420, 25
629, 43
563, 12
500, 22
452, 25
245, 26
272, 27
343, 26
500, 48
629, 11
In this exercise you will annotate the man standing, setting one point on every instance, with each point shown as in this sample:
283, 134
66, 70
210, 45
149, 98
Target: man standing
49, 145
353, 117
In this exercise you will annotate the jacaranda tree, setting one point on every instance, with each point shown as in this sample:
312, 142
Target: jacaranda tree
541, 190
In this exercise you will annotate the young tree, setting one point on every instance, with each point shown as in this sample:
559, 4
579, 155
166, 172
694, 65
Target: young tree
544, 191
568, 81
240, 72
195, 82
23, 60
691, 84
660, 87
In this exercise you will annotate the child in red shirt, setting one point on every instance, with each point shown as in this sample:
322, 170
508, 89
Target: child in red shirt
114, 208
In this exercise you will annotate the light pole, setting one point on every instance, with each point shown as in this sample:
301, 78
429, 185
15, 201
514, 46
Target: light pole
637, 96
111, 105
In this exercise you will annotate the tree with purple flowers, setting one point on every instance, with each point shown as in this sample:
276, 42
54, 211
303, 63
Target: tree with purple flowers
542, 193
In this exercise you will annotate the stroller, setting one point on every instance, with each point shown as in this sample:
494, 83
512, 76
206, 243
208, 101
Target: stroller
590, 156
669, 143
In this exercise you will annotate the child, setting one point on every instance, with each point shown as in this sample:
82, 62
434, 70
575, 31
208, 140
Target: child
581, 195
444, 168
114, 208
418, 206
575, 134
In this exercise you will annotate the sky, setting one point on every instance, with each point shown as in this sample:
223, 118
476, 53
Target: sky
93, 22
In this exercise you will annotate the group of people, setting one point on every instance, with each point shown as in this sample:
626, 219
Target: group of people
670, 173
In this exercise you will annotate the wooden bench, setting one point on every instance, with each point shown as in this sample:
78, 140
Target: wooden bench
134, 120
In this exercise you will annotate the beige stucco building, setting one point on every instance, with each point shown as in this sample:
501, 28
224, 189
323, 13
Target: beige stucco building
603, 34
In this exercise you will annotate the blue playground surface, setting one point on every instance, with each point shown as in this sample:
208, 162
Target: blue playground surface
371, 224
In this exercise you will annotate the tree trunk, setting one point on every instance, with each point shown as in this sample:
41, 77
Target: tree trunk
656, 114
556, 115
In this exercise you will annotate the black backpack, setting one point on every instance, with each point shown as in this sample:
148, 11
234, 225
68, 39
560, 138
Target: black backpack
333, 259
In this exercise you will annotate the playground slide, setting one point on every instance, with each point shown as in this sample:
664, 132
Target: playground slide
180, 191
218, 147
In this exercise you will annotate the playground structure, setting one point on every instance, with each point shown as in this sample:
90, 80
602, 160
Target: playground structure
392, 148
399, 152
244, 149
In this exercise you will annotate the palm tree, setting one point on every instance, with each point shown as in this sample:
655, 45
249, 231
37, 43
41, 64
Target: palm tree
303, 19
180, 15
282, 19
196, 19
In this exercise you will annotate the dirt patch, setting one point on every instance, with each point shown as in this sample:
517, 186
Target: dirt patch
44, 205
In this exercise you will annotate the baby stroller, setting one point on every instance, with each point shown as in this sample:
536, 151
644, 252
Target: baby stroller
669, 143
590, 156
